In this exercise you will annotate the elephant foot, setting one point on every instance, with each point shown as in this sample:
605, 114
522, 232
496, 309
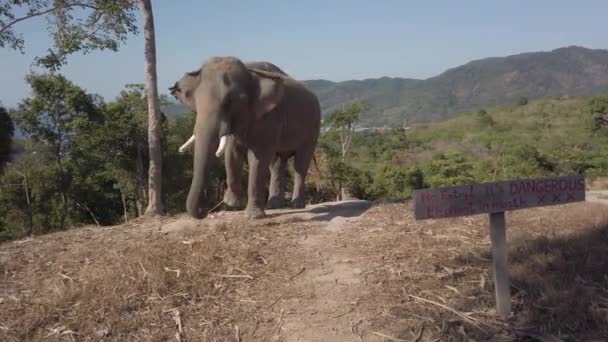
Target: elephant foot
255, 213
275, 203
298, 203
233, 200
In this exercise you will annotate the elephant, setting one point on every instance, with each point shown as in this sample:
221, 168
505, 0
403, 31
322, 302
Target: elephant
269, 116
235, 156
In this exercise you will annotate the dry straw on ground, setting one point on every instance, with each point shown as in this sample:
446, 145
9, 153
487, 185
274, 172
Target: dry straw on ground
225, 279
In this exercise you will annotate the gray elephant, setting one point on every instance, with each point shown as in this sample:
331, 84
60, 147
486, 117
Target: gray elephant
235, 155
269, 115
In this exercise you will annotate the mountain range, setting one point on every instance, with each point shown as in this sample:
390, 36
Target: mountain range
566, 71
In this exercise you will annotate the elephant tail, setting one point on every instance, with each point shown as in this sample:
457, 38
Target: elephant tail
314, 160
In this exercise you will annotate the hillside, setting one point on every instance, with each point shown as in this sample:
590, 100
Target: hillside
481, 83
541, 138
486, 82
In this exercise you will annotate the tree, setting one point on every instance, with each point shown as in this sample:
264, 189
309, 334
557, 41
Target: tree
124, 142
343, 123
76, 26
7, 130
154, 127
104, 24
599, 111
58, 111
16, 196
485, 119
449, 168
522, 101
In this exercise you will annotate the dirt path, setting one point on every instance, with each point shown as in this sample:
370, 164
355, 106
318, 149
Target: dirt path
597, 196
332, 283
321, 302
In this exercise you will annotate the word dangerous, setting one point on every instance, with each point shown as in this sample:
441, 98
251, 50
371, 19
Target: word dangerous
497, 197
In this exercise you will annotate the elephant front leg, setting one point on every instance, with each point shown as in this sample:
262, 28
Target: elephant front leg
258, 175
234, 158
276, 191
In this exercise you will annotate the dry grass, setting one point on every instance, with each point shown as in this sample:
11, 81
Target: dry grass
600, 183
420, 279
128, 283
558, 263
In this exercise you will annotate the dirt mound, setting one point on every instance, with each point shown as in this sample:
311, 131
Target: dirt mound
343, 271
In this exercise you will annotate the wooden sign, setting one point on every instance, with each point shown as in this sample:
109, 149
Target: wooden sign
495, 199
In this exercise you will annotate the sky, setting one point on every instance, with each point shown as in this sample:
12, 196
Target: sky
329, 39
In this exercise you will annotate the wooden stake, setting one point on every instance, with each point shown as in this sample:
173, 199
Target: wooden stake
499, 257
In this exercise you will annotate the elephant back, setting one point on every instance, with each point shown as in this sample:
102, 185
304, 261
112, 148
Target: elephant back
266, 66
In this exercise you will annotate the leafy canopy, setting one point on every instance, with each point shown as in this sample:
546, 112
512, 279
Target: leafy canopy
57, 109
75, 26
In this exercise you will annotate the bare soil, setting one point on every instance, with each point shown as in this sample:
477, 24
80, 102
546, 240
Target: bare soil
348, 271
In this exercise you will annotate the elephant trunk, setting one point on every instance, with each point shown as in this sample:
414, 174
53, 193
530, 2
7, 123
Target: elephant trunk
206, 140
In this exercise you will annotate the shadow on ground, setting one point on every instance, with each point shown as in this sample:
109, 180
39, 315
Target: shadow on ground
559, 284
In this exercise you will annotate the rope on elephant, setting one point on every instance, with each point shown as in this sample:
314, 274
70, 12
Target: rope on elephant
215, 207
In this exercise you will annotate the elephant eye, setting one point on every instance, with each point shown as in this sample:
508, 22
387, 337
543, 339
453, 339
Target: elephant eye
227, 103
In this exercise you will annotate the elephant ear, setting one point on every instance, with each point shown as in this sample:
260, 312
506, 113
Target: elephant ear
270, 91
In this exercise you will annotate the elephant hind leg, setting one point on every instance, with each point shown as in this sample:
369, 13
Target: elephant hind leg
302, 160
276, 190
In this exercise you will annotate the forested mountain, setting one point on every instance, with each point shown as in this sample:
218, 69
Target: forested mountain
486, 82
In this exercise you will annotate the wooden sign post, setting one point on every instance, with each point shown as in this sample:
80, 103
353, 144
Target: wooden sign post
494, 199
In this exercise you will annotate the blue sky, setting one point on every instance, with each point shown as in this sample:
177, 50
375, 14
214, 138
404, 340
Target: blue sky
330, 39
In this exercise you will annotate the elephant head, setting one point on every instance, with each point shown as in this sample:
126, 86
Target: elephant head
228, 97
265, 66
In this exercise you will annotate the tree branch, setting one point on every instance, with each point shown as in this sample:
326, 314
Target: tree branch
37, 14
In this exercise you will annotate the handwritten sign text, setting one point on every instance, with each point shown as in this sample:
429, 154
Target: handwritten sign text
497, 197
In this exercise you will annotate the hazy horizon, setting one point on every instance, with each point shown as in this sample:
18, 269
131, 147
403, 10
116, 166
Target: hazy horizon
349, 40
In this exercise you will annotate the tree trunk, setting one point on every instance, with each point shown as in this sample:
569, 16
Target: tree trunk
155, 206
345, 195
30, 215
63, 190
86, 207
124, 205
140, 191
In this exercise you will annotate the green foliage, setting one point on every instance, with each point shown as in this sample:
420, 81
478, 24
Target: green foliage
56, 116
484, 119
58, 110
344, 119
397, 181
449, 168
7, 129
341, 125
543, 138
522, 101
28, 189
599, 110
86, 161
75, 26
103, 150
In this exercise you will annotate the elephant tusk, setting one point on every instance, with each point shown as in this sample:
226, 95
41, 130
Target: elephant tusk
221, 147
187, 144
